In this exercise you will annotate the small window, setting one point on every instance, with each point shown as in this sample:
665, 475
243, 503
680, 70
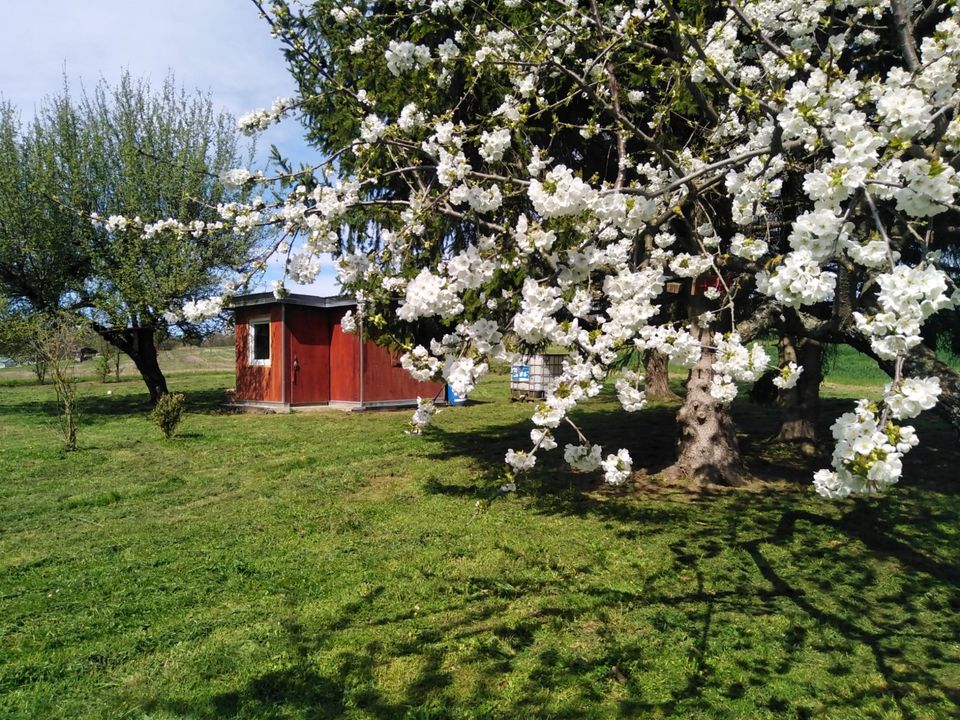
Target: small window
259, 332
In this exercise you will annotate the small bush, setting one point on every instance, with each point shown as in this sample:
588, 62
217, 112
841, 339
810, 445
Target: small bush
103, 367
168, 412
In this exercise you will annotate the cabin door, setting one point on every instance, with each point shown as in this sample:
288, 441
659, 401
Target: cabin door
309, 355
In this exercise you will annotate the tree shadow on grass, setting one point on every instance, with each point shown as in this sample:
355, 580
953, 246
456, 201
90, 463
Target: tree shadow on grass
769, 603
833, 584
100, 407
765, 600
651, 438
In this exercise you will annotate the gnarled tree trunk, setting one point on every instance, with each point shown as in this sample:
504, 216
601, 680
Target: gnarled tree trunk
921, 361
140, 345
656, 383
708, 449
800, 405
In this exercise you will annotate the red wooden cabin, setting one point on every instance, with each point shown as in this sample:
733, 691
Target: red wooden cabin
292, 352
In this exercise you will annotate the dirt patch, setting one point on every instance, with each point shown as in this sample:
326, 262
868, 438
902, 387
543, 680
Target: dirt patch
653, 486
382, 487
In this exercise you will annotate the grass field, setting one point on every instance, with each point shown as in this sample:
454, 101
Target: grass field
328, 565
180, 360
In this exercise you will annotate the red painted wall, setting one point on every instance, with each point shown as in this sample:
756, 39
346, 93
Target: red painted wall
308, 356
384, 379
344, 360
259, 382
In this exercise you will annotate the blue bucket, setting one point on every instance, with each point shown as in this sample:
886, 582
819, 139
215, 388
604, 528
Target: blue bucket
454, 399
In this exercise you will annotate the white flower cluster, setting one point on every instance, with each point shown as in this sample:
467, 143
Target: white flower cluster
867, 457
372, 128
798, 280
520, 460
429, 295
907, 297
201, 309
348, 323
535, 322
405, 56
494, 144
734, 361
259, 120
748, 247
911, 397
628, 391
420, 363
928, 188
423, 415
788, 376
617, 468
586, 458
679, 345
303, 267
560, 193
236, 178
462, 374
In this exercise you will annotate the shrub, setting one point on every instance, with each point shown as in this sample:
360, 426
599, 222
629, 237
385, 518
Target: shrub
103, 367
168, 412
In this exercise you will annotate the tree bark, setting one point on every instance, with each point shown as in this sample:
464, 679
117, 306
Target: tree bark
800, 405
656, 384
40, 369
708, 449
921, 361
139, 344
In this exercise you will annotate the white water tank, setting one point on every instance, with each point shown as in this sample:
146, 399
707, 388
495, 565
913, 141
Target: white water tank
532, 375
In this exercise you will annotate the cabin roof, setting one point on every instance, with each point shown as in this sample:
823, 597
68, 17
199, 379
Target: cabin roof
268, 298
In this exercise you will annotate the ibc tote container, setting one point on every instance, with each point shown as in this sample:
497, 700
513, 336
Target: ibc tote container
532, 375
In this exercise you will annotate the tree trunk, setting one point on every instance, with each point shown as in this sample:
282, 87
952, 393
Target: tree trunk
66, 394
708, 450
140, 345
800, 405
40, 369
656, 384
923, 362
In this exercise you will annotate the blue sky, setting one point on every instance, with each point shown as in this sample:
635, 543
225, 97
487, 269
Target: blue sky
217, 46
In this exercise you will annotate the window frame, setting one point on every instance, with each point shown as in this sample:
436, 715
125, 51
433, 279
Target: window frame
252, 324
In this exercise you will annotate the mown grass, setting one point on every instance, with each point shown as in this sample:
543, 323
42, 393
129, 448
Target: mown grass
329, 565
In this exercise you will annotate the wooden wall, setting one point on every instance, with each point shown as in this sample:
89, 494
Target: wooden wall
328, 359
384, 379
344, 360
259, 383
308, 333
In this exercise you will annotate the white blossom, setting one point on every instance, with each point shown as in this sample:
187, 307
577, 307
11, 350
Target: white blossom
617, 468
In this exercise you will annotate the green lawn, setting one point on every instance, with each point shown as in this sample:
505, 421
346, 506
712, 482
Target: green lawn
329, 565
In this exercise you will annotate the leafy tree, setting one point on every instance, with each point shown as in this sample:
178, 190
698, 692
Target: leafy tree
126, 150
18, 337
44, 243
